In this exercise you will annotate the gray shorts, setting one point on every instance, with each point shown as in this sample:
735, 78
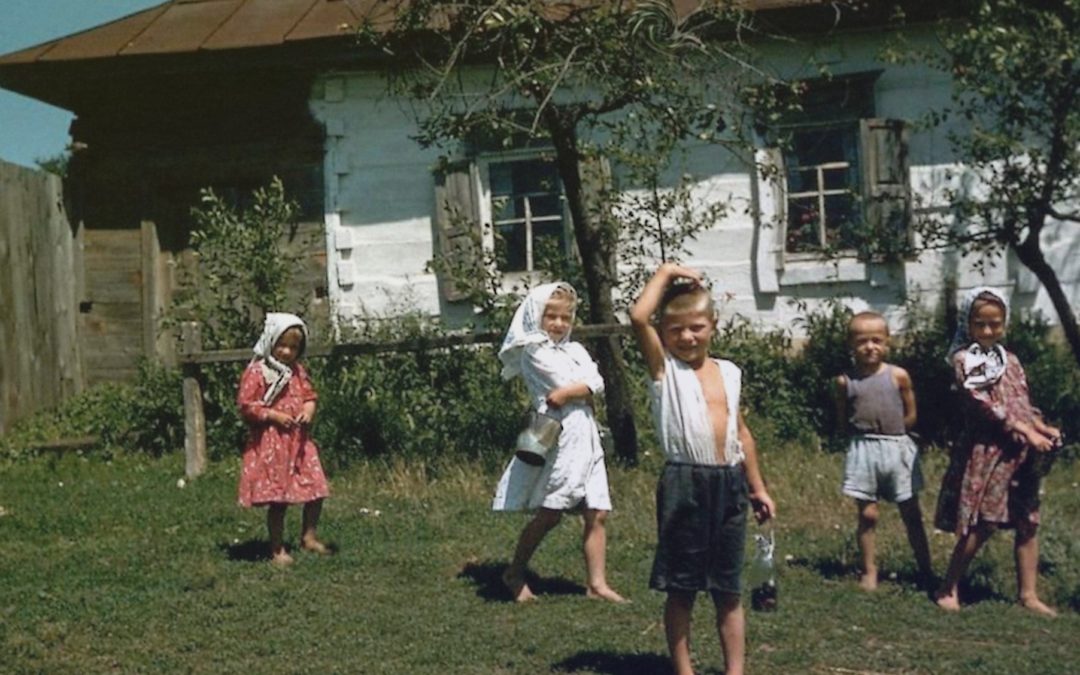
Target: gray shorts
882, 467
701, 521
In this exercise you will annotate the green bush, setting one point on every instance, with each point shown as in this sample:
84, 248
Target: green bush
146, 416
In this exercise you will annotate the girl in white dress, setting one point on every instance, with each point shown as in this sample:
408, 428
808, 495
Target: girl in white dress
561, 379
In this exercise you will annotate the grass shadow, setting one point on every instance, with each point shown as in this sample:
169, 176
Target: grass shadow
615, 664
827, 567
487, 577
258, 550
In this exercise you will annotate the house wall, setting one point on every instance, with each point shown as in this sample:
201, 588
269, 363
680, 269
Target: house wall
380, 206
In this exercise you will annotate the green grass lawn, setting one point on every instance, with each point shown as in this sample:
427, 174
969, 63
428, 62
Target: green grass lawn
110, 566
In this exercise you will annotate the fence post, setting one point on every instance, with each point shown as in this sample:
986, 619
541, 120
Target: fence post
194, 416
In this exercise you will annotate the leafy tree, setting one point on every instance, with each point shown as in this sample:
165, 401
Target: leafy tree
629, 82
242, 267
1016, 80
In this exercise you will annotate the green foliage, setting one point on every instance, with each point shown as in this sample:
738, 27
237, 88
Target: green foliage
416, 404
243, 271
146, 415
1016, 109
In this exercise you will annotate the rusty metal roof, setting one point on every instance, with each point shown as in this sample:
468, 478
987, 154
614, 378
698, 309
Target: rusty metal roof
186, 26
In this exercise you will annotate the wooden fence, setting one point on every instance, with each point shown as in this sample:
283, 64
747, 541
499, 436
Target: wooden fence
40, 359
192, 357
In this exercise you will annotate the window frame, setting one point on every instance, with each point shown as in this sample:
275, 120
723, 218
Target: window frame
483, 163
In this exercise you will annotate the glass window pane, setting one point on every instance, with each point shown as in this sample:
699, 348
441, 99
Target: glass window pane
510, 247
549, 245
546, 205
838, 179
535, 176
841, 221
802, 229
501, 179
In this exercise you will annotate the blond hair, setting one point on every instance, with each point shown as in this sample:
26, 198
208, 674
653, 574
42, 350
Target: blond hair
863, 317
683, 298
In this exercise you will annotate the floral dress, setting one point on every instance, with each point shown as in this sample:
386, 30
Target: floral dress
988, 479
279, 465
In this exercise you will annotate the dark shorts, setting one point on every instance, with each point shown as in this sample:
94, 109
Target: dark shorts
701, 520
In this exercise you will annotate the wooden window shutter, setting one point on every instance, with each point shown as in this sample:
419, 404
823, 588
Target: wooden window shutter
883, 152
457, 227
770, 198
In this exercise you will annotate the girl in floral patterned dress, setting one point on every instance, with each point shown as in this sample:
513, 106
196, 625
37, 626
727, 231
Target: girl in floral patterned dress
990, 482
281, 463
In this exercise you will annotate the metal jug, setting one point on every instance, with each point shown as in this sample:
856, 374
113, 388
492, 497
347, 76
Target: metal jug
537, 439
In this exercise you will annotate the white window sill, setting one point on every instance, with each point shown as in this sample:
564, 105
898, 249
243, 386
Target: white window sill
822, 271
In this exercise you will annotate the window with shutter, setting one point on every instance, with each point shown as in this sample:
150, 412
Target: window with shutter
457, 224
839, 185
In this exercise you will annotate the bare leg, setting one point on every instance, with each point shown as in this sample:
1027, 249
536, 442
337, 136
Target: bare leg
594, 543
868, 518
916, 535
1026, 549
530, 538
308, 538
677, 611
275, 524
731, 627
948, 596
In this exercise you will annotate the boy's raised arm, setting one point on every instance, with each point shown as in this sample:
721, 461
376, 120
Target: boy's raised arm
647, 304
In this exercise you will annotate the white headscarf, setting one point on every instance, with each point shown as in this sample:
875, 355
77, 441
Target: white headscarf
982, 367
276, 373
525, 326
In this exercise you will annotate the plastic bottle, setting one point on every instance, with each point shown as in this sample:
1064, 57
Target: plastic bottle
763, 589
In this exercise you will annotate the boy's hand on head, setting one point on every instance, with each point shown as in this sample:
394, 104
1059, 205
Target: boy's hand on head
763, 506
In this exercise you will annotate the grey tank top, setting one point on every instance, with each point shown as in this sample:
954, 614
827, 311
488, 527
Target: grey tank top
874, 404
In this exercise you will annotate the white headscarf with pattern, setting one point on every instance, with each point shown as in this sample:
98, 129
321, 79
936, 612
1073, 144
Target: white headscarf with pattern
276, 373
525, 327
982, 367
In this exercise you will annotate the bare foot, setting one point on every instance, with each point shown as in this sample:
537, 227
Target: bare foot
1039, 607
315, 546
605, 592
519, 590
950, 602
868, 582
282, 559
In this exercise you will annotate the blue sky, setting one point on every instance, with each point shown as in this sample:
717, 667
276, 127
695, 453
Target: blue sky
29, 129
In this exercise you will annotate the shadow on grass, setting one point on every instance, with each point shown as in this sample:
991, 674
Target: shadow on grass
258, 550
487, 577
615, 664
827, 567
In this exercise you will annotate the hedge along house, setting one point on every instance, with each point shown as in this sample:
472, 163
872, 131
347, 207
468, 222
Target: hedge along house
229, 92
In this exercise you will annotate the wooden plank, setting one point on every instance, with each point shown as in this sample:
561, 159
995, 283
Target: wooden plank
194, 415
149, 274
445, 341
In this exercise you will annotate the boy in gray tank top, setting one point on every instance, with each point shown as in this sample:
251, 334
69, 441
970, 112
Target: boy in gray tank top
875, 408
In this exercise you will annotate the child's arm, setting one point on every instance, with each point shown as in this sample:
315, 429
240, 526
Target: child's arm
642, 312
307, 392
544, 368
840, 403
984, 407
762, 503
1046, 430
907, 396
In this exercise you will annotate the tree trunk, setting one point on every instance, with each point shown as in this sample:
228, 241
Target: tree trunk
1031, 255
597, 249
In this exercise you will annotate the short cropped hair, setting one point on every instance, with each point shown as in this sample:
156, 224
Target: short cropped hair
866, 316
683, 297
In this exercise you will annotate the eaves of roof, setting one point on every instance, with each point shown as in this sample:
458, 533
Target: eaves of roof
197, 34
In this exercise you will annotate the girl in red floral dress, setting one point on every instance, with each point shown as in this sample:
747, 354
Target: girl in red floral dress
281, 463
991, 482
